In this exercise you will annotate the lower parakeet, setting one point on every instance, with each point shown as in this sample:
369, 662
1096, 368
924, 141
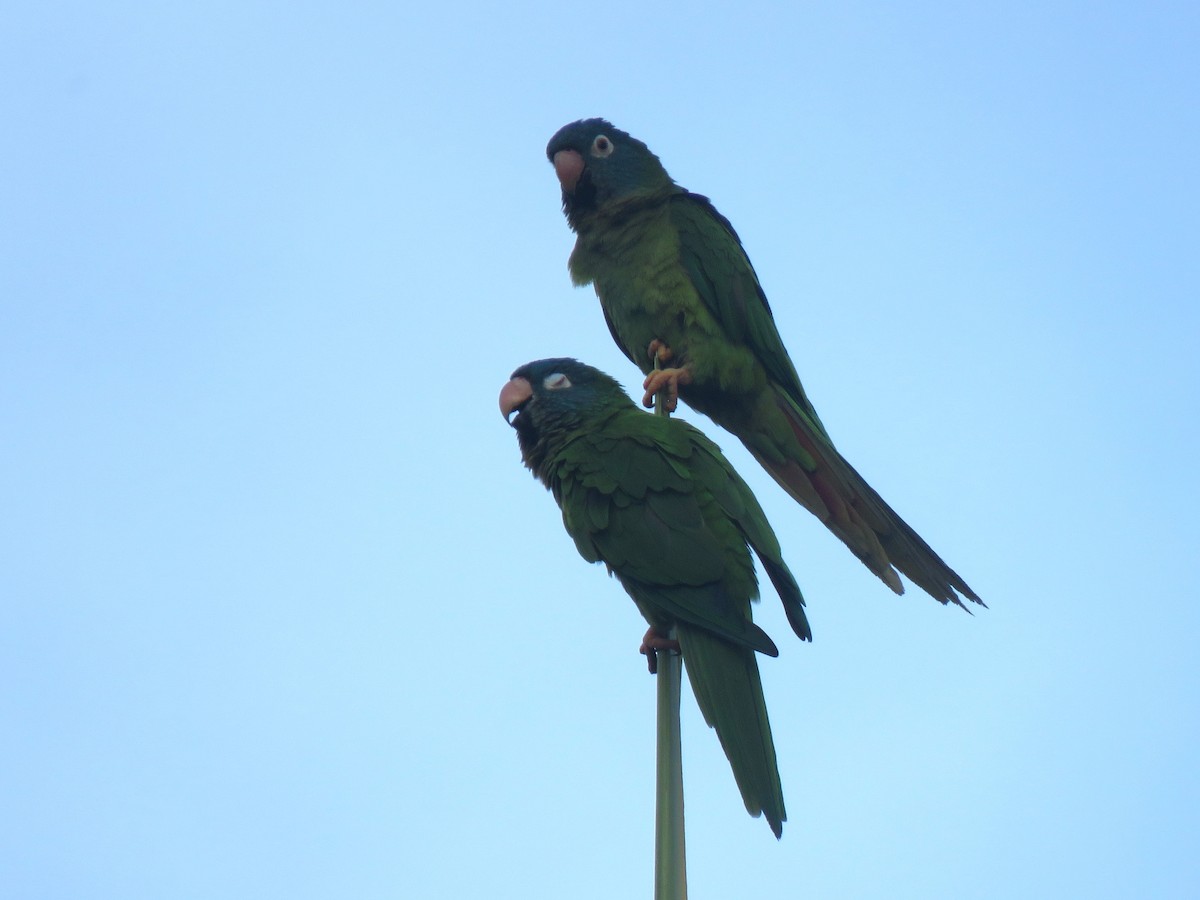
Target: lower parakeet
657, 502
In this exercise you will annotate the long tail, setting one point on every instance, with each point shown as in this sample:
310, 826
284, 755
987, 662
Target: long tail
821, 480
728, 689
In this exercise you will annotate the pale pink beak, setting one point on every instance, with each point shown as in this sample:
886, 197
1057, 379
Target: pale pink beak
568, 166
512, 395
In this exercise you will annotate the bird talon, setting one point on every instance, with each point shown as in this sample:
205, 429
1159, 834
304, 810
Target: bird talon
668, 380
653, 643
660, 351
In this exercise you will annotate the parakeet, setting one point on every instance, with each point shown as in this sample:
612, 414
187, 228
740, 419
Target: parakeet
674, 281
656, 502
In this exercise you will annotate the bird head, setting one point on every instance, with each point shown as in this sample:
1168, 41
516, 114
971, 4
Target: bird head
550, 401
598, 164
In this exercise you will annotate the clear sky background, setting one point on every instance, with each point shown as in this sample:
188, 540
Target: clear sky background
282, 615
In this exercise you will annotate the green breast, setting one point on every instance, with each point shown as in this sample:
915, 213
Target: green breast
643, 287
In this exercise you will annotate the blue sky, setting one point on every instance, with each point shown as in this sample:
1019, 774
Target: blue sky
285, 617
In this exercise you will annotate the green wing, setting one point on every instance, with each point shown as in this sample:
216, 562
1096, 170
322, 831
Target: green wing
657, 502
739, 503
723, 277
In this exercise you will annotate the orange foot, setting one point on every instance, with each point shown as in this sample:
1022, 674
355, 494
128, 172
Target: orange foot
668, 380
653, 643
660, 351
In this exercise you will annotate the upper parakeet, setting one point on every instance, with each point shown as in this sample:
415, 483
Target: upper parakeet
658, 503
674, 281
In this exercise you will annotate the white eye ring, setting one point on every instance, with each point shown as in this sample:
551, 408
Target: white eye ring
556, 382
602, 146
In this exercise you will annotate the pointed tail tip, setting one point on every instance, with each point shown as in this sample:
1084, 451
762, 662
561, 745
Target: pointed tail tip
957, 584
891, 578
970, 596
973, 597
946, 588
774, 819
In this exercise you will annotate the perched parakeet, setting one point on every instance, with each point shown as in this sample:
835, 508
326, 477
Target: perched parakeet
658, 503
674, 281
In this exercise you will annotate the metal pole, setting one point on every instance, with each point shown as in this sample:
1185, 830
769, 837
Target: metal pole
670, 858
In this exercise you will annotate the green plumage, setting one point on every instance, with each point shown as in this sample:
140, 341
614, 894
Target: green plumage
668, 267
658, 503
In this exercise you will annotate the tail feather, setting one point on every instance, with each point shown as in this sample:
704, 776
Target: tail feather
728, 689
853, 511
816, 493
908, 551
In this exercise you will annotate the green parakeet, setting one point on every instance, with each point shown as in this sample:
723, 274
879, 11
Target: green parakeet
658, 503
674, 281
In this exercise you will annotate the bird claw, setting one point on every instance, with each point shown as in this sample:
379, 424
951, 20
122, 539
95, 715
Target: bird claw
668, 380
659, 351
653, 643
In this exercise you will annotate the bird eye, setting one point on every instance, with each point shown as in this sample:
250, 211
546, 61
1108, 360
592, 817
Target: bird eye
556, 382
602, 146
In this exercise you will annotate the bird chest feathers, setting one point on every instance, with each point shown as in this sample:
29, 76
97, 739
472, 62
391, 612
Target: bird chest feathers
635, 266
